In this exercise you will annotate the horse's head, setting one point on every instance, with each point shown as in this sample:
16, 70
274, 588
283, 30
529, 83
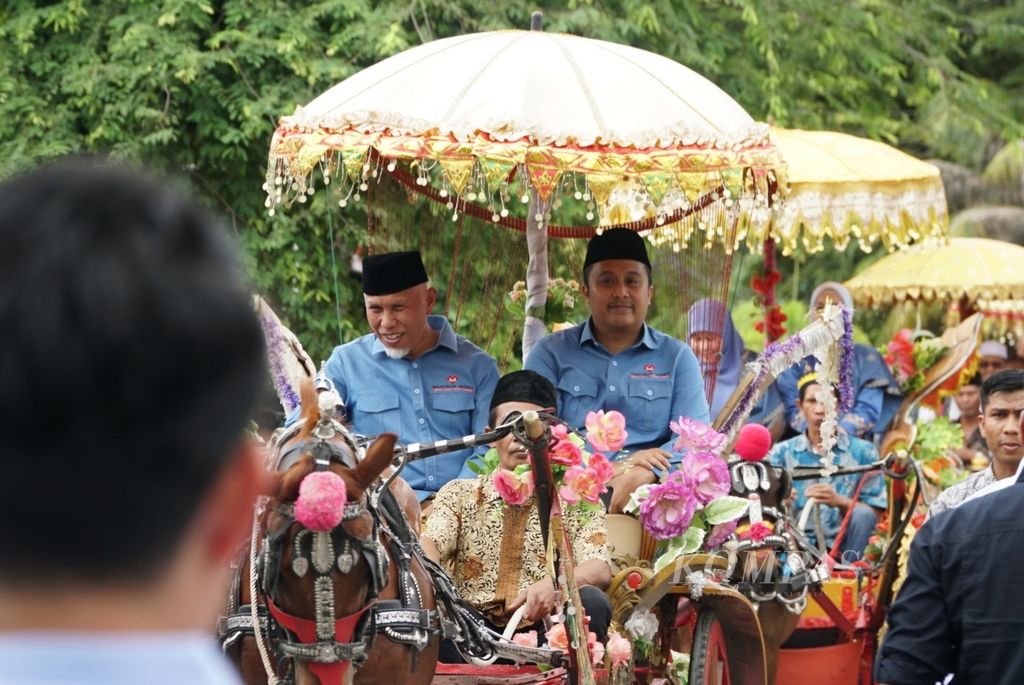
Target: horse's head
322, 562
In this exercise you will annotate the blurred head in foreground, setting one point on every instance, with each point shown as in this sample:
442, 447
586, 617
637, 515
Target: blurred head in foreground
130, 359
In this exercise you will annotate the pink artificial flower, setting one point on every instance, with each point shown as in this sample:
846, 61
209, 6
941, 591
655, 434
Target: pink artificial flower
566, 453
585, 483
596, 649
619, 650
669, 507
606, 432
568, 495
527, 639
719, 534
321, 502
696, 435
557, 637
560, 431
709, 473
602, 468
512, 488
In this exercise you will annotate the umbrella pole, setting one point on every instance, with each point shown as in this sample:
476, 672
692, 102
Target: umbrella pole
536, 271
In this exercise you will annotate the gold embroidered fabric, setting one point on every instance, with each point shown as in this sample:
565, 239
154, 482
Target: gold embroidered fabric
493, 550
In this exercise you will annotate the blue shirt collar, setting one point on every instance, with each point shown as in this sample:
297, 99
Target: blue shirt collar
647, 339
446, 338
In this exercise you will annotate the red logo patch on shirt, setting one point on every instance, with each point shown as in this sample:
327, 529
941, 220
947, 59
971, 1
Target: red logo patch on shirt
649, 368
453, 379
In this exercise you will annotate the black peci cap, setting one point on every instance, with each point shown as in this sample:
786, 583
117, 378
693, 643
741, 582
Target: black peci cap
525, 386
617, 243
392, 272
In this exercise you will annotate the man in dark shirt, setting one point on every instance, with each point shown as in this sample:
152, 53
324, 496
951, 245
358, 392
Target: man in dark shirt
959, 610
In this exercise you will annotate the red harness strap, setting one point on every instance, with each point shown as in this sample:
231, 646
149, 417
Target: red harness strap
305, 630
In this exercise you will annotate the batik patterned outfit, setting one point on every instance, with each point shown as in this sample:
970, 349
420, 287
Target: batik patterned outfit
494, 550
953, 497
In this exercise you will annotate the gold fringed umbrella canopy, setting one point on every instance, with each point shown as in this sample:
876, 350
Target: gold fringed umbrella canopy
844, 187
487, 119
970, 269
836, 186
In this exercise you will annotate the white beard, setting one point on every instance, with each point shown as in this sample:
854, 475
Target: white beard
396, 352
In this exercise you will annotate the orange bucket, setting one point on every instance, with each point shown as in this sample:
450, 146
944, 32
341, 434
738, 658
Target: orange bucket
831, 665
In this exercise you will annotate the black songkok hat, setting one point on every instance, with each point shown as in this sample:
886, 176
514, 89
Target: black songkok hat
616, 243
525, 386
392, 272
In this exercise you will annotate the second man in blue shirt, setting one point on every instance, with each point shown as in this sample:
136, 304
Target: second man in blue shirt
616, 361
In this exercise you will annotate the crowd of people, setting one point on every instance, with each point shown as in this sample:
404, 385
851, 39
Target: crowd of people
131, 359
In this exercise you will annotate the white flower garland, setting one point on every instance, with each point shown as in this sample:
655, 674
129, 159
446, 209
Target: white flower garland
828, 378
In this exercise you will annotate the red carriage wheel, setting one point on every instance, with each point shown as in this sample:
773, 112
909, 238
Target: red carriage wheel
709, 662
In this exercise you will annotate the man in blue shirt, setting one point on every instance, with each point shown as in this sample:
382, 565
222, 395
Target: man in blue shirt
412, 375
616, 361
834, 494
959, 610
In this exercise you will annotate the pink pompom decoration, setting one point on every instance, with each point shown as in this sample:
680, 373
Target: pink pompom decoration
619, 650
753, 442
321, 503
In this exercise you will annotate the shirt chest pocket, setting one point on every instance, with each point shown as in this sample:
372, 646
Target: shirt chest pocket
377, 413
453, 413
578, 394
650, 404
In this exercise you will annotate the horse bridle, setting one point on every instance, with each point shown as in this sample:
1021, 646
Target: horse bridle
334, 640
750, 480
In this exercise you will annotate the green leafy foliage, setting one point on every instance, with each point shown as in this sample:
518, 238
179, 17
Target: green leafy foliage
935, 437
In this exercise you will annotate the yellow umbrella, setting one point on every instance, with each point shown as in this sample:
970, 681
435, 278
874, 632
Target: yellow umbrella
971, 268
844, 187
836, 186
1003, 319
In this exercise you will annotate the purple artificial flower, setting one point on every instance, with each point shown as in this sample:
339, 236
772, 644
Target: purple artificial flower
285, 392
696, 435
719, 534
774, 350
669, 507
709, 475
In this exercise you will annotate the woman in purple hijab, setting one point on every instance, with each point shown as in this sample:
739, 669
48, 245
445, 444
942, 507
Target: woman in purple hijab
721, 353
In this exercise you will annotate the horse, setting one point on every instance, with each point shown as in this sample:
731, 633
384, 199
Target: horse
342, 603
765, 561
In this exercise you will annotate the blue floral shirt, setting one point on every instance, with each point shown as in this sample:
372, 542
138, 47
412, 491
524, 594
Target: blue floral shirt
849, 451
